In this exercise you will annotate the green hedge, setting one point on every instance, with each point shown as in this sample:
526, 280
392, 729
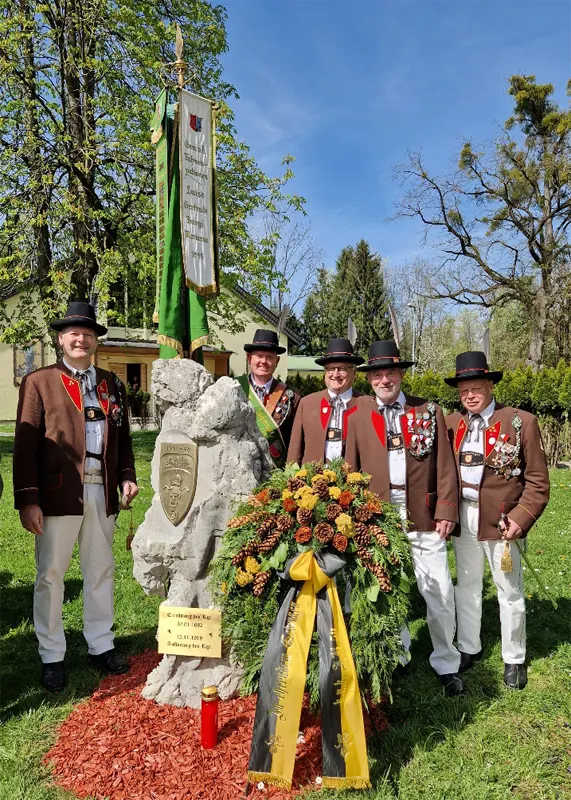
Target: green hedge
546, 393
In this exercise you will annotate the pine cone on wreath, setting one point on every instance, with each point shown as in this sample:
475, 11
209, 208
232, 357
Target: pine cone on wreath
284, 522
324, 532
304, 516
379, 535
332, 511
363, 514
321, 488
266, 527
249, 549
345, 468
274, 493
294, 484
259, 582
269, 542
381, 575
394, 561
363, 555
362, 534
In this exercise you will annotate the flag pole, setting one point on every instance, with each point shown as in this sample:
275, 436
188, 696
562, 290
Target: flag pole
180, 67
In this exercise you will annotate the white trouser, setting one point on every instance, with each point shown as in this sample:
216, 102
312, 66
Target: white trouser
430, 563
470, 568
54, 548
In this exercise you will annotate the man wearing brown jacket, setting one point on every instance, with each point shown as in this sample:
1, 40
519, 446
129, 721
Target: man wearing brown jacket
402, 443
72, 452
320, 426
504, 490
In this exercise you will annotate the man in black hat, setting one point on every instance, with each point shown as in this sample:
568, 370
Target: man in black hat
402, 442
320, 427
274, 403
72, 454
504, 490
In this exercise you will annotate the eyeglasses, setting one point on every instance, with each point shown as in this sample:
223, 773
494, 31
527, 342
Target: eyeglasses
342, 371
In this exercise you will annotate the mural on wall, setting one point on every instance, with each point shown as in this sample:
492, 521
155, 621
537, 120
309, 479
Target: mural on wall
26, 359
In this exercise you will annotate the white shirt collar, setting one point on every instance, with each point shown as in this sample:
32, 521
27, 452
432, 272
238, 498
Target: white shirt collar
74, 370
267, 386
400, 399
486, 413
345, 396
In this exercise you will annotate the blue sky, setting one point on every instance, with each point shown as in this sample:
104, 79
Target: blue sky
348, 87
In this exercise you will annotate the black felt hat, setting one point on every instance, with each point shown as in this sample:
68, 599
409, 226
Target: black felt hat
384, 354
470, 365
80, 314
339, 350
265, 340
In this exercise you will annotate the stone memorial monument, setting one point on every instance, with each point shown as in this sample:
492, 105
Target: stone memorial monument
208, 454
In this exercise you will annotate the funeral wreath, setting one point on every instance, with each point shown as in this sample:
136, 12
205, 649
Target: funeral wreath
330, 513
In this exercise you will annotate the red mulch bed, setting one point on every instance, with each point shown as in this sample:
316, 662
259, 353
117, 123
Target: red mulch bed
118, 745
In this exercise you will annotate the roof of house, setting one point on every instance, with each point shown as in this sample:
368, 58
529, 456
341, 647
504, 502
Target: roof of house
265, 312
302, 364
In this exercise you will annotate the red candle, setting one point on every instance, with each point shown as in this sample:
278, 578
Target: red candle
209, 717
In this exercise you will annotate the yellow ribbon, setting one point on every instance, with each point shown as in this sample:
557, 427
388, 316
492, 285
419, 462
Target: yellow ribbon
291, 677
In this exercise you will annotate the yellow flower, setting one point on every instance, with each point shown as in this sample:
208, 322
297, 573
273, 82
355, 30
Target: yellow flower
354, 478
308, 501
302, 491
334, 492
301, 474
318, 477
243, 578
286, 494
223, 587
252, 566
330, 475
344, 525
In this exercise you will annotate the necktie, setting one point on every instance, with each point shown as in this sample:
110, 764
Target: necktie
475, 425
261, 392
338, 407
84, 377
391, 412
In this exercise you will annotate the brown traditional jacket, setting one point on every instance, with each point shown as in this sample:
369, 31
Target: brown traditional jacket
283, 412
522, 497
431, 480
49, 445
310, 426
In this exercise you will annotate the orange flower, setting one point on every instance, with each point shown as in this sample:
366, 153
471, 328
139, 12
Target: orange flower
289, 504
303, 535
263, 496
345, 498
340, 542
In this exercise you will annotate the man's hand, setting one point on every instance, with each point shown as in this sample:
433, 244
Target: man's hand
444, 528
32, 519
130, 491
511, 530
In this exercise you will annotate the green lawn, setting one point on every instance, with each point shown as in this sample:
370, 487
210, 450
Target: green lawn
491, 745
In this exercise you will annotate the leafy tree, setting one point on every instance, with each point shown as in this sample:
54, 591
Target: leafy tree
78, 83
501, 223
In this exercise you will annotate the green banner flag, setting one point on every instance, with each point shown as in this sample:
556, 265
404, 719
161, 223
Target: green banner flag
183, 323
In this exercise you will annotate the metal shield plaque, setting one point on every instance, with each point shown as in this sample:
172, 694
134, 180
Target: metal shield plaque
177, 479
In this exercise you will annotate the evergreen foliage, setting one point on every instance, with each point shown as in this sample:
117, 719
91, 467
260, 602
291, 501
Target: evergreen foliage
378, 588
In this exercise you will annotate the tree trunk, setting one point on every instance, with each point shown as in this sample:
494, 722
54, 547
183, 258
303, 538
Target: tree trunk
539, 316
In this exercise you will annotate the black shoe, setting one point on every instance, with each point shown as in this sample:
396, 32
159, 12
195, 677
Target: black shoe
53, 677
453, 685
468, 660
111, 662
515, 676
